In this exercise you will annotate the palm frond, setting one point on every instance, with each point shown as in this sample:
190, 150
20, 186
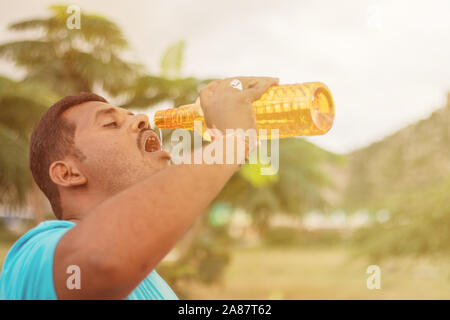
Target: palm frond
15, 178
148, 90
172, 60
95, 29
34, 24
28, 53
22, 103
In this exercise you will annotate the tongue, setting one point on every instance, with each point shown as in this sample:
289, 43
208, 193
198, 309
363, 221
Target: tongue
151, 145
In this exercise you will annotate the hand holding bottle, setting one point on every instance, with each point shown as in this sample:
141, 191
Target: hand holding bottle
300, 109
227, 107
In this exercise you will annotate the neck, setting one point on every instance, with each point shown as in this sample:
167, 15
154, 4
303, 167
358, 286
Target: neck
76, 204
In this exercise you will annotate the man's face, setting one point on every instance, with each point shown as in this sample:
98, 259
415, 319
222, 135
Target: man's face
119, 148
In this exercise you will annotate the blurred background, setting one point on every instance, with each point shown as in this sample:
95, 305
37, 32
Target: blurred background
373, 191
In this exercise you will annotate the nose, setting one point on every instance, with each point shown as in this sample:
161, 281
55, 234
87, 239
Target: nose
140, 122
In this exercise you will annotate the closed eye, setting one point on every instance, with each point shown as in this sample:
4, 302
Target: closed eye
111, 124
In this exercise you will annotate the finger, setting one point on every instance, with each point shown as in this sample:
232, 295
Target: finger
252, 82
225, 84
246, 82
261, 86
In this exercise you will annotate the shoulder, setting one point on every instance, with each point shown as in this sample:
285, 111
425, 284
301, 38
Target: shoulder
42, 235
29, 263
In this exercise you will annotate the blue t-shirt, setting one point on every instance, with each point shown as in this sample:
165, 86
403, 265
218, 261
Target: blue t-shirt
28, 268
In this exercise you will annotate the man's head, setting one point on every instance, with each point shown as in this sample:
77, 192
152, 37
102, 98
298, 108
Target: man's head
86, 146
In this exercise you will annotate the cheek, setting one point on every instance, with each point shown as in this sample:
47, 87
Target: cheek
103, 147
111, 171
101, 155
109, 155
115, 163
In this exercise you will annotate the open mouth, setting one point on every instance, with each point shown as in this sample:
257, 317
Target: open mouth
152, 144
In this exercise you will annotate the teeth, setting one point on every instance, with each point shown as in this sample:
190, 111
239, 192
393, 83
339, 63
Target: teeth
150, 144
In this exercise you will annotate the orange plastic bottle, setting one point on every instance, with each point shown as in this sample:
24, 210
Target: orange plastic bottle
305, 109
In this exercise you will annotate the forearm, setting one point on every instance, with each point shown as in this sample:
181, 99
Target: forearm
129, 234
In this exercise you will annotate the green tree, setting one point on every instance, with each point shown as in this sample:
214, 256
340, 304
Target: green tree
170, 86
419, 224
71, 61
20, 104
296, 188
56, 63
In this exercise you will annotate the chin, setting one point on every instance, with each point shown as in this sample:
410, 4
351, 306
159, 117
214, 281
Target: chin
158, 159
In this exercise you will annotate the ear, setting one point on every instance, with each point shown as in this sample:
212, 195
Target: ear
66, 174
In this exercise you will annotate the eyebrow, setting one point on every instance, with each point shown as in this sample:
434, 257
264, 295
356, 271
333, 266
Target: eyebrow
109, 111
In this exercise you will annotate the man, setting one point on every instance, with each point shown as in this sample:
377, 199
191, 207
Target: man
120, 206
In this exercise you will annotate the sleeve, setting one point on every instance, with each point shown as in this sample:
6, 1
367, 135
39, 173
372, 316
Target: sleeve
28, 268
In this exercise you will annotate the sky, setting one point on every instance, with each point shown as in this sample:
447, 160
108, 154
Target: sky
386, 62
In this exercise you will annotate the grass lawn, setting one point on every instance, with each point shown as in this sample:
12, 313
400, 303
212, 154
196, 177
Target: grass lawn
323, 274
319, 273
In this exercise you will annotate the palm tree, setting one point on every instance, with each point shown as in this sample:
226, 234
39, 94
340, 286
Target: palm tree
71, 61
20, 104
57, 63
